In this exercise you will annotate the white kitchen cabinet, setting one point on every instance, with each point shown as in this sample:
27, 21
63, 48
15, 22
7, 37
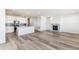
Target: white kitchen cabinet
9, 19
9, 29
20, 19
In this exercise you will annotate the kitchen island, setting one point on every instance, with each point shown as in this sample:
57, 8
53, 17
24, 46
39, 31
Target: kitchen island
24, 30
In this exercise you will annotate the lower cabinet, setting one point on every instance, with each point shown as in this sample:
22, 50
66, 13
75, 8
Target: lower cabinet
9, 29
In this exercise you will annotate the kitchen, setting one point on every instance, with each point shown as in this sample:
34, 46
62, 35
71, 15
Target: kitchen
15, 23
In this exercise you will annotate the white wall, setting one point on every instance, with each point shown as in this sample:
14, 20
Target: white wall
70, 23
45, 22
49, 20
40, 23
56, 19
2, 26
35, 21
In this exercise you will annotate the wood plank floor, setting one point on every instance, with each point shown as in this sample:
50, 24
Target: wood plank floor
45, 40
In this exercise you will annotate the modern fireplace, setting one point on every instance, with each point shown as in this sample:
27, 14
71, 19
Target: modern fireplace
55, 27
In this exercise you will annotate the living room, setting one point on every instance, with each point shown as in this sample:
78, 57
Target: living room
40, 29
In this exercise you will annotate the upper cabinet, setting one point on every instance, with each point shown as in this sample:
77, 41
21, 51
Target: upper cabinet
10, 19
20, 19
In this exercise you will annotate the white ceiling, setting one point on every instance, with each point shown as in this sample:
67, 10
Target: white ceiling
41, 12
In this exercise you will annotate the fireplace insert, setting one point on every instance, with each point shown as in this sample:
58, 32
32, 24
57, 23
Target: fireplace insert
55, 27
